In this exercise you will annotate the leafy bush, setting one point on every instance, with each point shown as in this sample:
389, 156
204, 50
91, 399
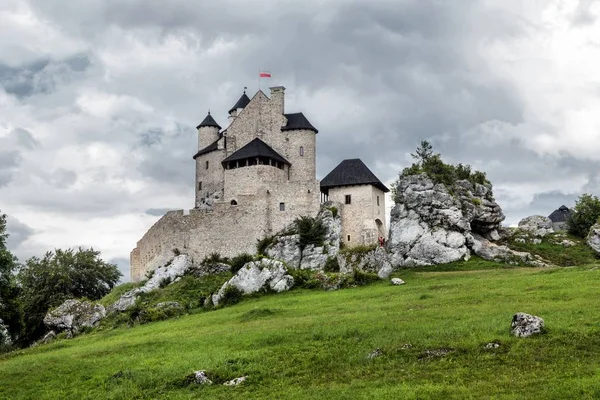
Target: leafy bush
331, 265
239, 261
264, 243
304, 278
164, 282
585, 214
311, 231
214, 258
231, 295
9, 291
426, 162
334, 211
363, 278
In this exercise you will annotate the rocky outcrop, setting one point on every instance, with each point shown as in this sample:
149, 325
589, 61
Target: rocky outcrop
536, 225
73, 315
525, 325
256, 276
397, 281
593, 237
5, 339
286, 245
499, 253
177, 268
429, 224
375, 261
433, 225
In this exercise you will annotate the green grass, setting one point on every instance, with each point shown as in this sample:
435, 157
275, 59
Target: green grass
580, 254
311, 344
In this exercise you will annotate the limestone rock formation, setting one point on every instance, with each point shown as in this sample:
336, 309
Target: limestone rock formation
397, 281
168, 273
593, 237
201, 378
73, 315
286, 246
525, 325
236, 381
429, 225
376, 261
5, 339
536, 225
265, 274
499, 253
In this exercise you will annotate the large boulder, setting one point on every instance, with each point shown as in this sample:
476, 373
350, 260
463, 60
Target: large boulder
5, 339
173, 270
256, 276
593, 237
286, 244
72, 315
536, 225
500, 253
376, 261
525, 325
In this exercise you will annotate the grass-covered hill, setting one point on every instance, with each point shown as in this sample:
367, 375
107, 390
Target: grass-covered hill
309, 343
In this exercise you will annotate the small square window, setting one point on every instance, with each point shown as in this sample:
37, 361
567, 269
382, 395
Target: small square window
348, 199
281, 206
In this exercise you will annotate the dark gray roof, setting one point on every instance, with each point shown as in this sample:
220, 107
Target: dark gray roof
208, 121
297, 121
562, 214
256, 148
211, 147
241, 103
351, 172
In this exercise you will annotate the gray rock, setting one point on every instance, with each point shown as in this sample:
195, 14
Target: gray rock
200, 378
177, 268
491, 345
397, 281
536, 225
493, 252
236, 381
48, 337
375, 261
168, 304
265, 274
73, 315
374, 354
525, 325
5, 338
593, 237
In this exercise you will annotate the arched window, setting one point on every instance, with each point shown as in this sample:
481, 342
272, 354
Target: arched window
301, 150
233, 203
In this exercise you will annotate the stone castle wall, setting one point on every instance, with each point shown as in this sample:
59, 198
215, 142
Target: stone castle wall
212, 178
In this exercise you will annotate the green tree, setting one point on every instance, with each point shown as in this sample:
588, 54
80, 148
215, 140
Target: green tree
585, 214
58, 276
9, 309
423, 153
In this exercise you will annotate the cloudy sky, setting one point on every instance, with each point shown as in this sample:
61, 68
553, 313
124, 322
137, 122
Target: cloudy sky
99, 99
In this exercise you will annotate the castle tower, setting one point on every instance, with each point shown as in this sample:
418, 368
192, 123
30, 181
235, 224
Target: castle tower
239, 106
208, 132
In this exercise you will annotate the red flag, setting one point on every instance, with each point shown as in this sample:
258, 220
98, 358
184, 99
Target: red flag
264, 74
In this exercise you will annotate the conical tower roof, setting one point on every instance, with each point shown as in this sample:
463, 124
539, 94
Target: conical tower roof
208, 121
241, 103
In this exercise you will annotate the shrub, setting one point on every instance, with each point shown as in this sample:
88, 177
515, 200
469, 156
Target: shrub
334, 211
585, 214
311, 231
231, 295
304, 278
362, 278
239, 261
214, 258
176, 252
164, 282
331, 265
476, 201
264, 243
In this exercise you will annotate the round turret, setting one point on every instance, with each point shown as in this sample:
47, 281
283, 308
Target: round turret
208, 132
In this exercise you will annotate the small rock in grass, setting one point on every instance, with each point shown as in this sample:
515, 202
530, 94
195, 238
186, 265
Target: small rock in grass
406, 346
201, 378
435, 353
525, 325
397, 281
374, 354
491, 345
236, 381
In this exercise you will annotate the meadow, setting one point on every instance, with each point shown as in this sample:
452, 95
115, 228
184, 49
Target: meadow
305, 344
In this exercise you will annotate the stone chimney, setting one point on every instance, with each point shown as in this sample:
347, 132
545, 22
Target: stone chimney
277, 99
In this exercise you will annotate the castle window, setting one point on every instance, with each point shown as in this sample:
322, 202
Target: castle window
301, 150
348, 200
281, 206
233, 203
377, 200
199, 186
348, 237
206, 164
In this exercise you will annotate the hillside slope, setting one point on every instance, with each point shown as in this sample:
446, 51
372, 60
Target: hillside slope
315, 344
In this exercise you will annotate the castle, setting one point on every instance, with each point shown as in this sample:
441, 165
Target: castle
253, 179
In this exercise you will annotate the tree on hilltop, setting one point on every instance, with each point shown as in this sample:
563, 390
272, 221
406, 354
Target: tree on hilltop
585, 214
58, 276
